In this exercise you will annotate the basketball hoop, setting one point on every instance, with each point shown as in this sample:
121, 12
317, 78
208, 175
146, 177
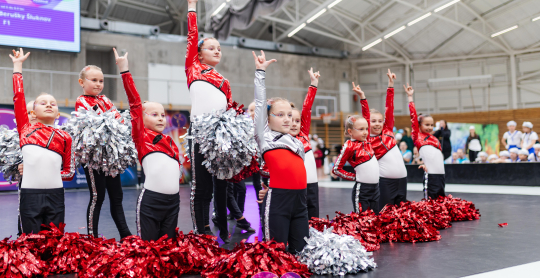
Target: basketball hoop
327, 118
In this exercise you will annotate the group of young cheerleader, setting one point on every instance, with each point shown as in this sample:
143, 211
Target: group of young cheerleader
280, 131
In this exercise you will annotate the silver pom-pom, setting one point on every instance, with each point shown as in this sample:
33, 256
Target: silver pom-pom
329, 253
102, 142
226, 140
10, 154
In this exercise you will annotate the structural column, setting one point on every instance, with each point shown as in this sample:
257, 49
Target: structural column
514, 80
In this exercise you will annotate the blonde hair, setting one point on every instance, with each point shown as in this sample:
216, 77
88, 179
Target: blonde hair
375, 111
272, 101
82, 74
350, 122
40, 95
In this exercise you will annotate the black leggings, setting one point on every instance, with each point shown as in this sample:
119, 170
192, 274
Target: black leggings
40, 206
435, 186
366, 196
313, 200
97, 188
203, 185
157, 214
286, 217
257, 186
393, 191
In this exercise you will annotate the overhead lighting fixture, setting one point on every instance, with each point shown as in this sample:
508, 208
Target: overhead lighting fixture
446, 6
419, 19
394, 32
316, 15
219, 8
504, 31
371, 45
334, 3
536, 18
296, 30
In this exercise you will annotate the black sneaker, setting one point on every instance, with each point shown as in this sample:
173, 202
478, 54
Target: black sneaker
246, 226
208, 231
225, 237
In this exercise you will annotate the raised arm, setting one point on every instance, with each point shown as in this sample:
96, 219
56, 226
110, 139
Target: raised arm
193, 34
260, 118
389, 110
308, 102
412, 110
21, 114
363, 102
340, 162
68, 160
135, 105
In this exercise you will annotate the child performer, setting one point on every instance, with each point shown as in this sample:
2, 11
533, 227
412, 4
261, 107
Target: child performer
359, 153
429, 148
46, 153
91, 80
159, 202
209, 91
300, 130
511, 138
392, 171
528, 138
285, 209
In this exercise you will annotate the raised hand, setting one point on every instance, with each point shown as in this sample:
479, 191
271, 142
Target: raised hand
262, 193
192, 4
391, 78
314, 77
409, 90
18, 58
261, 62
358, 91
121, 61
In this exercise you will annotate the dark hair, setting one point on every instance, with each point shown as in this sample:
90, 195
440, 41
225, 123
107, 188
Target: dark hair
445, 124
201, 42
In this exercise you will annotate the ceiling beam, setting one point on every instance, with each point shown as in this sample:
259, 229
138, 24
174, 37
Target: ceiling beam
305, 18
110, 6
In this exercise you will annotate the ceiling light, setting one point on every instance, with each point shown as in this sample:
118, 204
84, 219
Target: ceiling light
394, 32
316, 15
536, 18
219, 8
371, 45
504, 31
419, 19
334, 3
296, 30
446, 6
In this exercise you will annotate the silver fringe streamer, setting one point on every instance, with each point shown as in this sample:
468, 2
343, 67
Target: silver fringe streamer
102, 142
10, 154
329, 253
226, 140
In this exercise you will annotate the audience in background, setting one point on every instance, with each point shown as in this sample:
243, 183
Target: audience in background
399, 136
511, 138
482, 157
514, 155
416, 157
529, 137
407, 138
405, 153
461, 158
473, 145
443, 134
493, 158
504, 156
534, 157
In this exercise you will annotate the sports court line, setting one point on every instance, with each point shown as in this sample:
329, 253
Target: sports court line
521, 271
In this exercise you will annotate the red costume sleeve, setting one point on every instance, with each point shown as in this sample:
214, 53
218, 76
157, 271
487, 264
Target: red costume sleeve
21, 114
414, 122
365, 112
135, 109
192, 40
340, 162
389, 110
306, 110
68, 163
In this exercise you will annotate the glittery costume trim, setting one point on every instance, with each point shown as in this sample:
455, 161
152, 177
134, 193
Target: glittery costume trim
19, 208
356, 196
88, 107
267, 215
93, 202
193, 186
426, 186
139, 212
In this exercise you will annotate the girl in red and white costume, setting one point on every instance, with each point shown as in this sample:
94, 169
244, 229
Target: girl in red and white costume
47, 156
429, 148
91, 80
392, 171
285, 206
159, 202
300, 130
359, 153
209, 91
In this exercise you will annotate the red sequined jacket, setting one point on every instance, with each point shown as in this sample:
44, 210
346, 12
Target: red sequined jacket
353, 151
195, 70
99, 103
421, 139
385, 141
146, 141
39, 134
305, 124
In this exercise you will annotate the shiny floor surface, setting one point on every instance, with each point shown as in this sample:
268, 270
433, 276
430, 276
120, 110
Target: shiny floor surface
468, 248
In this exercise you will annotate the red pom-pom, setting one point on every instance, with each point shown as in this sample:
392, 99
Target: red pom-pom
234, 105
503, 225
248, 171
248, 259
